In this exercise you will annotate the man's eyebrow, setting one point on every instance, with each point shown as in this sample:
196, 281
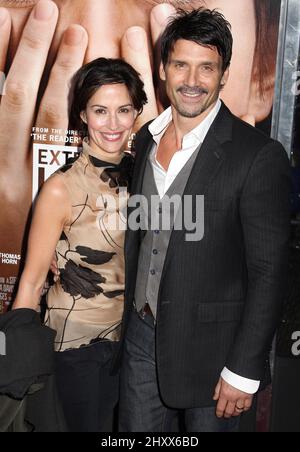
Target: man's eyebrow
175, 60
203, 63
208, 63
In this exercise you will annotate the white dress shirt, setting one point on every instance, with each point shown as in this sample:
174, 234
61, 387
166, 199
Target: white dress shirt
164, 179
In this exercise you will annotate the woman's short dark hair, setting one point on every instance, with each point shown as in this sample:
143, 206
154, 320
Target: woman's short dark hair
97, 73
206, 27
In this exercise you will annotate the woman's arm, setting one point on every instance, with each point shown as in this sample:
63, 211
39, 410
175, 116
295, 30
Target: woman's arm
52, 212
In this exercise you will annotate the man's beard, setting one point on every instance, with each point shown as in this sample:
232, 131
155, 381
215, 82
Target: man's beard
191, 90
190, 114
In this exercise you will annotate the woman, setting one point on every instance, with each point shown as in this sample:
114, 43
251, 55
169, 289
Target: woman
78, 214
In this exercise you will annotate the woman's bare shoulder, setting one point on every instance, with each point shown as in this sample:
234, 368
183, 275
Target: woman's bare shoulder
55, 188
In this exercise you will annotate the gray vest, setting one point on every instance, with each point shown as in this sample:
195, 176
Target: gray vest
156, 237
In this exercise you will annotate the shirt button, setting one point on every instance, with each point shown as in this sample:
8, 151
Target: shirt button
155, 252
156, 231
152, 272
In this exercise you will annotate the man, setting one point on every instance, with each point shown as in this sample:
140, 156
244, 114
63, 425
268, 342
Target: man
200, 315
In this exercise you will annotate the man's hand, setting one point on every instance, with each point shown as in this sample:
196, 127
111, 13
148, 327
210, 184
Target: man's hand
231, 401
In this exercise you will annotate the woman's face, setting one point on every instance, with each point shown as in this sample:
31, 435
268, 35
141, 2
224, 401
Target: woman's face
110, 117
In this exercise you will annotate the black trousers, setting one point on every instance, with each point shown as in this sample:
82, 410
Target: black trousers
141, 406
88, 393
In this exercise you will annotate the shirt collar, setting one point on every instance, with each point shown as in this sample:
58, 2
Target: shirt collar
198, 134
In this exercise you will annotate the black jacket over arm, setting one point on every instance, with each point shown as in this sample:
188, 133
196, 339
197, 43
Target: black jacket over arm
220, 298
28, 399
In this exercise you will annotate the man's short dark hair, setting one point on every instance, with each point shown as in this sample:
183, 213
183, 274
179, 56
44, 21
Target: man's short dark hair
103, 71
206, 27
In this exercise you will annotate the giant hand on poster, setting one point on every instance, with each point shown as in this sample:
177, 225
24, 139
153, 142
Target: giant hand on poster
42, 44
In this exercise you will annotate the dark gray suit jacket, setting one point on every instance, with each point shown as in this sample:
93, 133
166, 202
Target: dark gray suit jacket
220, 298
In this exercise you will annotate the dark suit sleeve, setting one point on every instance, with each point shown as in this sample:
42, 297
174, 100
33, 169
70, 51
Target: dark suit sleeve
142, 137
265, 219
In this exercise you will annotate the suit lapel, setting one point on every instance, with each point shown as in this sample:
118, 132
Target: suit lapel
207, 164
209, 161
140, 165
132, 238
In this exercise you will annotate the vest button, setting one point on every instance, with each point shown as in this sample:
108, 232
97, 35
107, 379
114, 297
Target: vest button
153, 272
155, 252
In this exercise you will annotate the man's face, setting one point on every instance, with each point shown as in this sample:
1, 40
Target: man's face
193, 77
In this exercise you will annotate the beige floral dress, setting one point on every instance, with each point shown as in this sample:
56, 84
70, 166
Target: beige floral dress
86, 303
